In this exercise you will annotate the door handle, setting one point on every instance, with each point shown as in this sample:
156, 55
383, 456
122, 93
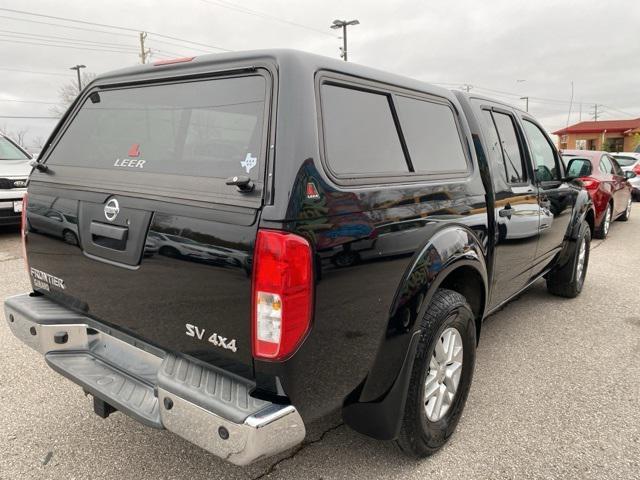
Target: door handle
109, 231
506, 212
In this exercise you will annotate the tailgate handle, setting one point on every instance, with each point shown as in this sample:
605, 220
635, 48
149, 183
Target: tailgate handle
109, 231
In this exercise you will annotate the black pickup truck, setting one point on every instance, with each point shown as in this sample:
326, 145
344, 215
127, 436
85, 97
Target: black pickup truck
233, 246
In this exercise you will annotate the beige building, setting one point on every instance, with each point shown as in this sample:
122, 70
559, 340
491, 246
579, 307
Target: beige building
610, 135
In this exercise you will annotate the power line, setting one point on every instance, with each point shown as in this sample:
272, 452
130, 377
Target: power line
58, 39
105, 25
65, 46
28, 101
70, 27
155, 40
266, 16
34, 72
543, 100
29, 118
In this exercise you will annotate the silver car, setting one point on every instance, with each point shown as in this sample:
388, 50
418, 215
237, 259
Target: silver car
14, 171
630, 162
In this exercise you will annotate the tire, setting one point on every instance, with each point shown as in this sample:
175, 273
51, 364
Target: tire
169, 252
627, 213
603, 230
447, 314
345, 259
69, 237
568, 280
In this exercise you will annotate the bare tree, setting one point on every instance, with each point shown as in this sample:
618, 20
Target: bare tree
19, 136
38, 142
68, 93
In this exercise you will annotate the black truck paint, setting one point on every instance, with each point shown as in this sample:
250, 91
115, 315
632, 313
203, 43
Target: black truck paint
382, 244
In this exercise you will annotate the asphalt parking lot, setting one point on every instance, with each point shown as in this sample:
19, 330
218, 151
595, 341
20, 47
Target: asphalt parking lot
556, 394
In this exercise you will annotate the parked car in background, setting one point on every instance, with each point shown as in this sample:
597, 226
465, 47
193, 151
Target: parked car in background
606, 183
14, 170
630, 161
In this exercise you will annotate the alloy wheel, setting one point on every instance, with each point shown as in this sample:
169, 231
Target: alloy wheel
582, 256
443, 377
607, 220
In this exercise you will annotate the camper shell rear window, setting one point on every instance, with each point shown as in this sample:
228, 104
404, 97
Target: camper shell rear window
140, 135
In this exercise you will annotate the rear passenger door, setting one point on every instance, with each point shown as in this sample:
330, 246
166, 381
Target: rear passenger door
517, 211
555, 197
620, 189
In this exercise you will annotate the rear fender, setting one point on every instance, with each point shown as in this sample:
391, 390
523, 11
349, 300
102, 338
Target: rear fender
376, 407
583, 210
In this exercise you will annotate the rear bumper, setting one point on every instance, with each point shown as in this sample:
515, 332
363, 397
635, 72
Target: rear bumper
7, 214
208, 407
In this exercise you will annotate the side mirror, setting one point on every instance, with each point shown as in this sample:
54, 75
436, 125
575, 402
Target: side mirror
579, 167
630, 174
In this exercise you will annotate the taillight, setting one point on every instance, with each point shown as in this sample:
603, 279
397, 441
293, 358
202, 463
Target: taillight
23, 228
282, 294
636, 169
590, 183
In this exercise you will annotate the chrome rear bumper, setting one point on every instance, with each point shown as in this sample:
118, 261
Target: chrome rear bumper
208, 407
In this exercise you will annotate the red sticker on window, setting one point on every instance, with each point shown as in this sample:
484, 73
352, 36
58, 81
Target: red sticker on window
134, 151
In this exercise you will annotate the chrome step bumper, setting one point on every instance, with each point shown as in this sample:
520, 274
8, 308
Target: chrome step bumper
208, 407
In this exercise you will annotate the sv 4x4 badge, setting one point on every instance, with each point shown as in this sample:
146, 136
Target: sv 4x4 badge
215, 339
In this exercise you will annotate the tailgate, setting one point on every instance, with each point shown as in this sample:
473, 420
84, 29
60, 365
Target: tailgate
134, 223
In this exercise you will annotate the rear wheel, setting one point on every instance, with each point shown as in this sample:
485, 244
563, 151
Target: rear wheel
627, 213
441, 375
345, 259
568, 280
603, 231
69, 237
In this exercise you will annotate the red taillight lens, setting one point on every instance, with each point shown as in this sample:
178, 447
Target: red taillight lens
590, 183
636, 169
282, 294
23, 228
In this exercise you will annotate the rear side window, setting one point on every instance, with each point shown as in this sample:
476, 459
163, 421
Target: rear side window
211, 128
505, 139
616, 170
542, 153
431, 134
360, 133
605, 165
625, 161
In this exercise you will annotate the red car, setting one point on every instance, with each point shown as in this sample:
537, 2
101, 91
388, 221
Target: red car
606, 183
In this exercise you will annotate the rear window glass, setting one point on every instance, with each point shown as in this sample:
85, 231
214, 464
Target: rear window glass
8, 151
625, 161
360, 133
211, 128
432, 136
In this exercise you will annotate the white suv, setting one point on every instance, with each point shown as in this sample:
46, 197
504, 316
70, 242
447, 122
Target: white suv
630, 161
14, 170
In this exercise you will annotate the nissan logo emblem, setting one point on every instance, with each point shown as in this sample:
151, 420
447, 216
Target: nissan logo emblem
111, 209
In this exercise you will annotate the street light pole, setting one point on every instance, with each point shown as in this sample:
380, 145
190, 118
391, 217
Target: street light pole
77, 69
343, 24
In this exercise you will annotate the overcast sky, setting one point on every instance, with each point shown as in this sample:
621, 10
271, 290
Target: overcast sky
502, 48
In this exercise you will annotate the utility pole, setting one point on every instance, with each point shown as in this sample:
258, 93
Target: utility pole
526, 99
343, 24
595, 112
77, 69
580, 118
144, 52
467, 87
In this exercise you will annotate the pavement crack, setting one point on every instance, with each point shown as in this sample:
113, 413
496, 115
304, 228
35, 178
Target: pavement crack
303, 446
